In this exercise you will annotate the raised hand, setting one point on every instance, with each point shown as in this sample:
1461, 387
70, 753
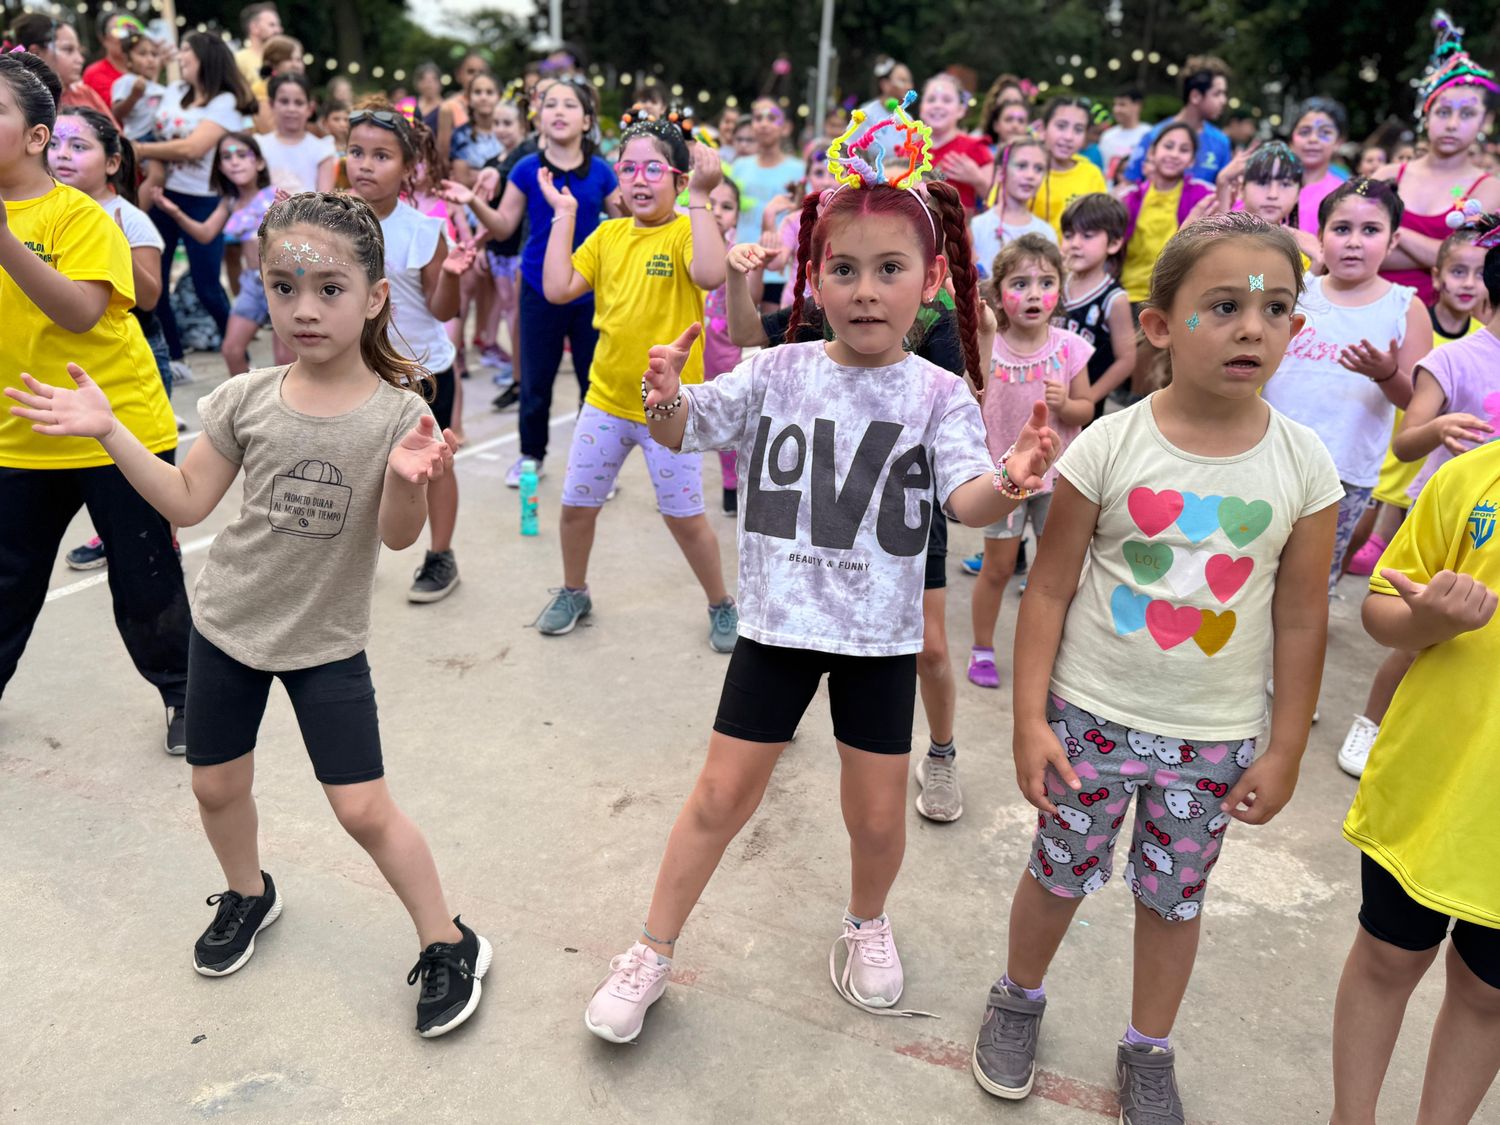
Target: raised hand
664, 369
1036, 448
423, 454
1460, 432
1449, 604
746, 257
706, 172
561, 201
63, 411
455, 192
460, 257
961, 168
1035, 748
1364, 358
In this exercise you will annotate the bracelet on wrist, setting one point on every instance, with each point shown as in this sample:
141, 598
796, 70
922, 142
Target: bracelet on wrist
1003, 482
662, 411
1388, 378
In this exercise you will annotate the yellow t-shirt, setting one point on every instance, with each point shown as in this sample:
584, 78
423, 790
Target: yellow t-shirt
1061, 188
1423, 810
1154, 227
642, 296
1396, 476
78, 238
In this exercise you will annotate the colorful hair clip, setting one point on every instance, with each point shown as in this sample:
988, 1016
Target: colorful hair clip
1464, 211
853, 170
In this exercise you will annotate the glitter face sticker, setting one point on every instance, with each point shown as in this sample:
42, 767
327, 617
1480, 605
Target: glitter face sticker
1257, 282
69, 127
1193, 322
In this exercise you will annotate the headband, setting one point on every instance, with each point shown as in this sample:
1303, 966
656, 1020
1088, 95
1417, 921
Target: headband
1451, 65
852, 170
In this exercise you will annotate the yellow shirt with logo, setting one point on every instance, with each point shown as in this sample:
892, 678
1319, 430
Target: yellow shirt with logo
1154, 228
79, 239
642, 296
1425, 809
1396, 476
1061, 188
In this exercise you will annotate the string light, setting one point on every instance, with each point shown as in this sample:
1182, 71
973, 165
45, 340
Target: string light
703, 96
399, 76
1138, 55
1114, 64
677, 89
1067, 80
307, 58
626, 79
1043, 87
803, 110
598, 81
1234, 103
1172, 70
1274, 119
354, 68
332, 64
1153, 58
784, 101
731, 101
377, 72
1075, 60
1090, 72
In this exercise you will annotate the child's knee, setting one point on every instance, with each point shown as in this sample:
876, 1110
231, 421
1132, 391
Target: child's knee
1386, 965
722, 804
933, 659
364, 815
216, 787
1473, 974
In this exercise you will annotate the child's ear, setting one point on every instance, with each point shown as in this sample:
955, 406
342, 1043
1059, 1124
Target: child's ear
1154, 325
1114, 246
1299, 321
936, 272
380, 293
812, 284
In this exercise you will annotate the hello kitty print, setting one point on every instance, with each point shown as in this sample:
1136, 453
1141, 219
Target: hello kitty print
1171, 627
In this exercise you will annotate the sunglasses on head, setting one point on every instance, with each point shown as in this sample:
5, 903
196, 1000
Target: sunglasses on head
653, 170
381, 118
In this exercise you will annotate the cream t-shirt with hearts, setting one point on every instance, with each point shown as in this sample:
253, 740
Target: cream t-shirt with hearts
1170, 631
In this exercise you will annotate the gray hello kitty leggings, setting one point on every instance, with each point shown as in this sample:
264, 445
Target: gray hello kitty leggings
1179, 827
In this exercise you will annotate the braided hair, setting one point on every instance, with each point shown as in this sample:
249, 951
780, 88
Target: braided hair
352, 218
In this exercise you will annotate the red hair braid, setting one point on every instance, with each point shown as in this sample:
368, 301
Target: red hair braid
949, 211
798, 278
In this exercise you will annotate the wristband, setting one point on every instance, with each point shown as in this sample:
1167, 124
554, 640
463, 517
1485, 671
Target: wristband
662, 411
1004, 485
1388, 378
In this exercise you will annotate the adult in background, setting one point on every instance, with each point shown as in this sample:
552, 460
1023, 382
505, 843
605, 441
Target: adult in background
455, 110
101, 75
56, 44
211, 100
1120, 139
260, 23
1205, 93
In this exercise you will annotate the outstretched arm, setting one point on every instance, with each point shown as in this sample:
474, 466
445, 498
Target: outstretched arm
978, 503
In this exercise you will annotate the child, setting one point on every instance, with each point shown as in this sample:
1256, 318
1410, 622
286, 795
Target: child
298, 159
476, 141
1270, 185
505, 255
1317, 134
962, 160
1095, 305
1065, 123
1206, 523
1419, 817
1019, 169
835, 591
245, 193
1340, 376
782, 221
646, 273
66, 289
385, 151
336, 127
720, 353
1034, 362
1161, 204
1456, 406
136, 95
311, 530
566, 118
1372, 158
762, 176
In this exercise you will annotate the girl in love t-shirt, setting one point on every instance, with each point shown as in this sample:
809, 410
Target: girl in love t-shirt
1179, 577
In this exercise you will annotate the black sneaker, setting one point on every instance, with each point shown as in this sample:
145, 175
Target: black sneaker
507, 398
230, 940
731, 501
88, 557
435, 578
176, 744
450, 976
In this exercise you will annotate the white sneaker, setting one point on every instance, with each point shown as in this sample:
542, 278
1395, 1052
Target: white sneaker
636, 980
181, 372
940, 798
513, 474
872, 977
1354, 754
1271, 691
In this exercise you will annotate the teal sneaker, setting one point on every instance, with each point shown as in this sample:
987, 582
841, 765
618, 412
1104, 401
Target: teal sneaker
973, 564
563, 613
723, 626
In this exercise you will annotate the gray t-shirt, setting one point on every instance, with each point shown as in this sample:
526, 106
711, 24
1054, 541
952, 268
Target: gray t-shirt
287, 584
838, 466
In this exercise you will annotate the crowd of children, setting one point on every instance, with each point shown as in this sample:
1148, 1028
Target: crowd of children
1207, 383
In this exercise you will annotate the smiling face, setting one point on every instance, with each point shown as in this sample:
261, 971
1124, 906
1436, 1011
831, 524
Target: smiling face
1460, 283
1028, 293
318, 293
870, 283
375, 163
942, 104
1172, 154
76, 155
649, 203
290, 109
238, 162
1455, 119
1356, 239
1064, 134
1024, 172
1238, 334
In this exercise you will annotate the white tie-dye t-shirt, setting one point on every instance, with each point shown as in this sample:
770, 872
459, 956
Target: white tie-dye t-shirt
838, 469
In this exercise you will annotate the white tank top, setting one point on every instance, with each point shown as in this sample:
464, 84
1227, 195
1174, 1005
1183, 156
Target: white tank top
411, 239
1348, 411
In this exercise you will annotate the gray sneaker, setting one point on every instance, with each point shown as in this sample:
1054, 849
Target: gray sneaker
1148, 1086
563, 613
940, 799
1005, 1052
435, 579
723, 626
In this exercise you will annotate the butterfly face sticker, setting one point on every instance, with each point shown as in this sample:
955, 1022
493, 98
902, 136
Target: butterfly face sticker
1257, 281
1193, 322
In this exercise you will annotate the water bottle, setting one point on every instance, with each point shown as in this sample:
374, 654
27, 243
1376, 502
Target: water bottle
528, 497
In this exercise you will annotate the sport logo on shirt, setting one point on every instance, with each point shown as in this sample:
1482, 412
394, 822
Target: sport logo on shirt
1482, 523
837, 513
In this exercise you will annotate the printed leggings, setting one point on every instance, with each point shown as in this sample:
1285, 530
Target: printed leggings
1179, 828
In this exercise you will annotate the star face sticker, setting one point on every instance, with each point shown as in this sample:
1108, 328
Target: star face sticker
1193, 322
1257, 281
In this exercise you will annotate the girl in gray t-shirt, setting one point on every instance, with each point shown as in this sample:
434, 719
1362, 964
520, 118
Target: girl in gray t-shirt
337, 452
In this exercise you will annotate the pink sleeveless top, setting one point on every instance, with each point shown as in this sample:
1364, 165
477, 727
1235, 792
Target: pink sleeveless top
1433, 226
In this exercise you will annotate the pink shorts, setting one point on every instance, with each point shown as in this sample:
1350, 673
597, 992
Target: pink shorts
602, 441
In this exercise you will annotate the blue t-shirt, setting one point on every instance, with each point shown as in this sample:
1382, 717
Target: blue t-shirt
590, 183
758, 186
1214, 151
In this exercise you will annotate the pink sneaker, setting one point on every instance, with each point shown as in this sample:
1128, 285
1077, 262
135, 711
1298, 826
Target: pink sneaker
982, 670
636, 980
872, 977
1364, 560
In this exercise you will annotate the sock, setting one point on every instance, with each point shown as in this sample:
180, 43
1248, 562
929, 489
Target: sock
1029, 993
936, 749
849, 916
661, 960
584, 589
981, 650
1134, 1038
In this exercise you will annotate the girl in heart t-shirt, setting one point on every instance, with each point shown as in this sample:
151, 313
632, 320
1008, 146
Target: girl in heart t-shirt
1171, 627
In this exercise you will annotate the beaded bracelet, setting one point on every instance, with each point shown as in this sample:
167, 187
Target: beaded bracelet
662, 410
1004, 485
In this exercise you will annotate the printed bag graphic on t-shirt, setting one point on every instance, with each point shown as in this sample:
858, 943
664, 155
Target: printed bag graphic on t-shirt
311, 500
1183, 572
